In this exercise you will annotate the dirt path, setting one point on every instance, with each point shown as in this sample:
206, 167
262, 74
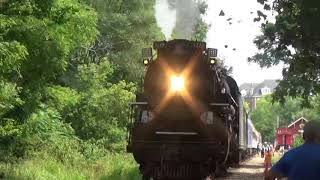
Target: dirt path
251, 169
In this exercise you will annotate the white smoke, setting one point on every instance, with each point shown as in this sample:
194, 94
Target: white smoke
178, 17
188, 14
166, 17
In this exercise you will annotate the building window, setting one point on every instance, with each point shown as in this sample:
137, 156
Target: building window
265, 90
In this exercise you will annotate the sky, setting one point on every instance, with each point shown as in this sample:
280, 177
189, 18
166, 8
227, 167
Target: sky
238, 35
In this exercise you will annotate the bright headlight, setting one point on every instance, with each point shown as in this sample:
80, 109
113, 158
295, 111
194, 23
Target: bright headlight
177, 83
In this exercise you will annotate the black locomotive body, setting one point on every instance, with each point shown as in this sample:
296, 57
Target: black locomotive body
189, 122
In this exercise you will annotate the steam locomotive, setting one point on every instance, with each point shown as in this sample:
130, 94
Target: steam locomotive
189, 122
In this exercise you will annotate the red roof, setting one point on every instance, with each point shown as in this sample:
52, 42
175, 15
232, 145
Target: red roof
296, 121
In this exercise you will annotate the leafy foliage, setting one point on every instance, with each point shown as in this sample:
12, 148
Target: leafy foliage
125, 27
298, 141
63, 99
293, 40
12, 55
68, 70
36, 39
267, 112
9, 97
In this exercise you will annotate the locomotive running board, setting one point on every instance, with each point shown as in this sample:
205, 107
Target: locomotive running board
210, 104
175, 133
138, 103
219, 104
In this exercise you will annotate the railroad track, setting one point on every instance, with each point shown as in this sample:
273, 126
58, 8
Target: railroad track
251, 169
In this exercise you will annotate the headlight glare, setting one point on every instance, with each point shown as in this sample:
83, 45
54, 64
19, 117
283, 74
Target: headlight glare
177, 83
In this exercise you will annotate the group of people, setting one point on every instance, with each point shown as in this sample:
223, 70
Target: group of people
265, 149
301, 163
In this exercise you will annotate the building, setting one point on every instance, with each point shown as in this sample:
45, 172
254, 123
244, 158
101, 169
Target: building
286, 135
252, 92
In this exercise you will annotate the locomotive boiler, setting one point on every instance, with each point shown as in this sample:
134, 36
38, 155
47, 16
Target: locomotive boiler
188, 122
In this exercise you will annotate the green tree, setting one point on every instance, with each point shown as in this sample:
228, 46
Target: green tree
267, 112
264, 118
294, 40
125, 26
36, 40
298, 141
9, 97
96, 108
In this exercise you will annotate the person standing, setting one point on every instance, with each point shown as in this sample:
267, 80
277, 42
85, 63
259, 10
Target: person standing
267, 161
282, 150
303, 162
262, 151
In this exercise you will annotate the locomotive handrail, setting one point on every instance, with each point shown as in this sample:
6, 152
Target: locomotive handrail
235, 103
219, 104
138, 103
178, 142
175, 133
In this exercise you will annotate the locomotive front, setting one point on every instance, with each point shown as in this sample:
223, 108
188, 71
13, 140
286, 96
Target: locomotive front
183, 118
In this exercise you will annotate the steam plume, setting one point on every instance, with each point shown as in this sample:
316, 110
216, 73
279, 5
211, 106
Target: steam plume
166, 17
177, 17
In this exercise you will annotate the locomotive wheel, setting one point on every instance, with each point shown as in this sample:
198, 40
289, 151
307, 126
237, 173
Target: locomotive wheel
220, 171
209, 178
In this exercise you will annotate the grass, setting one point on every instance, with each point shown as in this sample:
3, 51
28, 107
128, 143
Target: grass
276, 158
112, 166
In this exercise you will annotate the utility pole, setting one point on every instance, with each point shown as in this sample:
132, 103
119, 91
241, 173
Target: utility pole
277, 126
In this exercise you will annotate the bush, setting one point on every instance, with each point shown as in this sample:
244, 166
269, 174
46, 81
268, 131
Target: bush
9, 97
102, 114
298, 141
44, 166
11, 147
